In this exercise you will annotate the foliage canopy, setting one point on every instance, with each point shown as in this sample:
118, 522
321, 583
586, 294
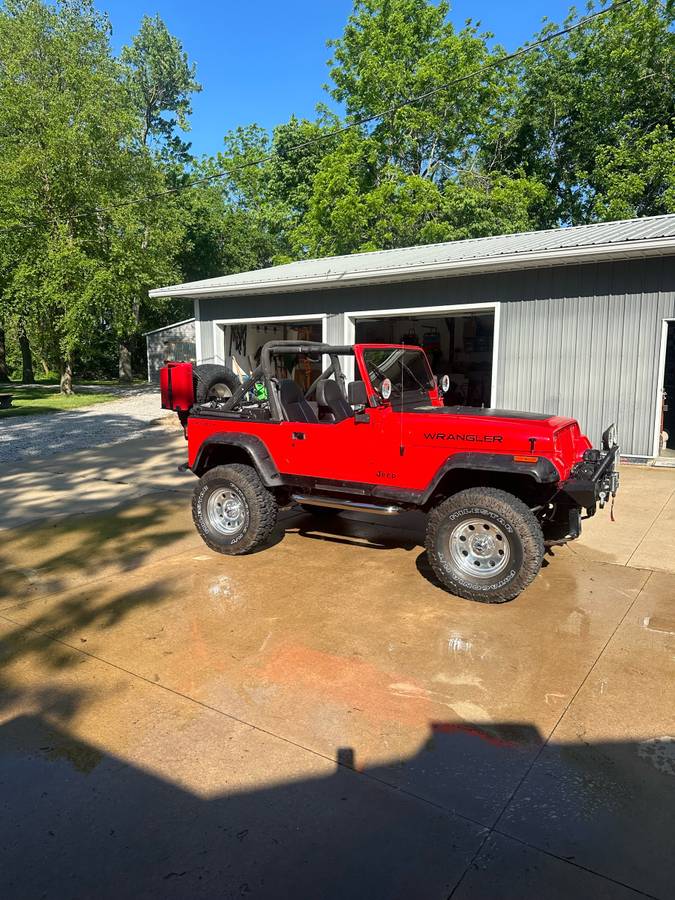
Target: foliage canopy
580, 129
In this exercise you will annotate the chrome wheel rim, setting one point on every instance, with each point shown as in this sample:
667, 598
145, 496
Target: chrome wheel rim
226, 510
219, 392
479, 548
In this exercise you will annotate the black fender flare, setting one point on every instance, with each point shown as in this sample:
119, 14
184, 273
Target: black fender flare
253, 446
542, 471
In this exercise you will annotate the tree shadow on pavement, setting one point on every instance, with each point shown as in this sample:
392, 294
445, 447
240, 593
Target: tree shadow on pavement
44, 644
59, 555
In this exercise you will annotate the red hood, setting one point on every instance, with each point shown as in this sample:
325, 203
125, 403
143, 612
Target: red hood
502, 431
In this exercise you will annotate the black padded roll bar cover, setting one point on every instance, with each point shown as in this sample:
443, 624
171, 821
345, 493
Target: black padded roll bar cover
277, 347
357, 394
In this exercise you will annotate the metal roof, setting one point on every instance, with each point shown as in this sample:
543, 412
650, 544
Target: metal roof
172, 325
605, 240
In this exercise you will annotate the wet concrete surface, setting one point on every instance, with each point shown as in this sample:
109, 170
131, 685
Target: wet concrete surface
320, 719
642, 534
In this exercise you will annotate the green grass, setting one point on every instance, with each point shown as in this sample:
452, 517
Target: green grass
47, 399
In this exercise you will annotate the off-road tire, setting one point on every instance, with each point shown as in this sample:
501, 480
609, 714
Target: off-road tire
207, 379
505, 515
259, 505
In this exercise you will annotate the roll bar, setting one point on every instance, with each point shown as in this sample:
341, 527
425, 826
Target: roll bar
275, 348
265, 370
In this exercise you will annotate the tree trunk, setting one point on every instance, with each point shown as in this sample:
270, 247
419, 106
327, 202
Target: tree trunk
27, 374
125, 373
66, 378
4, 371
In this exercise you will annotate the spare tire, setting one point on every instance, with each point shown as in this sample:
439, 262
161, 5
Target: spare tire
214, 383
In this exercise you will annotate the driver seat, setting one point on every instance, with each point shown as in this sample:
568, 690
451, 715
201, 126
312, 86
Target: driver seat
332, 405
293, 401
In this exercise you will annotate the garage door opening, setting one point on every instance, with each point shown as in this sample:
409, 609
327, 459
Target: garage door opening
242, 343
460, 346
667, 411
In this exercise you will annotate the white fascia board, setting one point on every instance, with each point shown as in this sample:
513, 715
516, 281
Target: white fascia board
508, 262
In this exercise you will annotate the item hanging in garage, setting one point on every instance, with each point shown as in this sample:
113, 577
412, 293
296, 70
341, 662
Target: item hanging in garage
239, 339
431, 341
411, 338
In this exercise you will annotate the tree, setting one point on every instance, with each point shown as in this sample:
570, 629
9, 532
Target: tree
357, 205
4, 369
392, 50
637, 176
592, 113
63, 124
414, 176
221, 235
267, 188
80, 257
161, 82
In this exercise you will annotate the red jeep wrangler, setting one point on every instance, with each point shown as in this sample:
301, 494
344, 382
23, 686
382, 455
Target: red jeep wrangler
496, 485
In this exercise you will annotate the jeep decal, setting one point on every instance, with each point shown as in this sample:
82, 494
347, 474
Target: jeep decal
472, 438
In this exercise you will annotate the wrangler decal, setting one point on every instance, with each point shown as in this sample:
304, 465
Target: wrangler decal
472, 438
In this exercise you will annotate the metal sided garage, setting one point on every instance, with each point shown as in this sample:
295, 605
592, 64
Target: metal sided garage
576, 321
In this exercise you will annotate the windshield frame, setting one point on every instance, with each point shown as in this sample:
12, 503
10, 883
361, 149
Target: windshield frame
414, 395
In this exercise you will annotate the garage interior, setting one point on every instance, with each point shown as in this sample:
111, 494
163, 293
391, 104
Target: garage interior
244, 343
460, 346
667, 442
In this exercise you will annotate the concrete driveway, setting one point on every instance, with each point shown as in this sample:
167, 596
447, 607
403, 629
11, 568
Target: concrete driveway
320, 719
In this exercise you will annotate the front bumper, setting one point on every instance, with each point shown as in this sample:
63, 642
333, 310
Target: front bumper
595, 479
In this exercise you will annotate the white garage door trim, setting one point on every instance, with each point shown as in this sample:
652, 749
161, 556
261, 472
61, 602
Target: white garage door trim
219, 327
456, 309
199, 357
659, 386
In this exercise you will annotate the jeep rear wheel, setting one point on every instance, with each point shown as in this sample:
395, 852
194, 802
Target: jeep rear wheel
233, 510
484, 544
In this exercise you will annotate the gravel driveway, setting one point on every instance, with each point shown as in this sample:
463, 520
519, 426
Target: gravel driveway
39, 436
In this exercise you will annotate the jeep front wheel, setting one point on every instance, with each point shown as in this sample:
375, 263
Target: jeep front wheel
233, 510
484, 544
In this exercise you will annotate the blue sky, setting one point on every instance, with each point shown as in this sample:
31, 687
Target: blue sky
262, 61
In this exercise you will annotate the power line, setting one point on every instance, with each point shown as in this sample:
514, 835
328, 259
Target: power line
356, 123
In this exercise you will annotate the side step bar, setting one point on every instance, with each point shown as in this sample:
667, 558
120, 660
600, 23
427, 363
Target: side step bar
313, 500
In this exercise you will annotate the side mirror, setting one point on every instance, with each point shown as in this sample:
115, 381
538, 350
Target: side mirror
444, 384
356, 393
